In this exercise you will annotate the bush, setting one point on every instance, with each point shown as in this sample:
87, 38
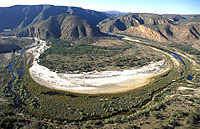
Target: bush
193, 118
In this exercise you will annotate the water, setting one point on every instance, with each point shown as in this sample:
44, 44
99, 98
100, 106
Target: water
165, 74
189, 77
182, 73
20, 70
119, 37
17, 101
10, 85
10, 68
177, 56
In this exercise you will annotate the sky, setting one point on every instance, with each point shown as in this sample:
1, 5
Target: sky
135, 6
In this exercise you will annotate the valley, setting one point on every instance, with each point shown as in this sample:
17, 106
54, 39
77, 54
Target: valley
67, 70
39, 92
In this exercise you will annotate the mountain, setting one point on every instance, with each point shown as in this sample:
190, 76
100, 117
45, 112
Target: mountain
162, 28
21, 16
69, 23
115, 13
64, 26
123, 22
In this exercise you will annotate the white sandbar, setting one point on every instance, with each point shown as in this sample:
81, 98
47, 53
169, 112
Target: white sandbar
93, 82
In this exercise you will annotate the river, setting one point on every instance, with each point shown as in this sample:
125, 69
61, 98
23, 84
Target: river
20, 70
175, 55
17, 100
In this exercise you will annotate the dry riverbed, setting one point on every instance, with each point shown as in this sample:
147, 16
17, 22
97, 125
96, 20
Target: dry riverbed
94, 82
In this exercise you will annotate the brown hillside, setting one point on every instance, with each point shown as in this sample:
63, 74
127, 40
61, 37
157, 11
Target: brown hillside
168, 32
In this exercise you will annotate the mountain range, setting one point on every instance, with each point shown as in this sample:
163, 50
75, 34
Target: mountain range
70, 23
162, 28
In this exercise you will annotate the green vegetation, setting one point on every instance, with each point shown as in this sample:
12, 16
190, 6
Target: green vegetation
72, 107
157, 105
186, 48
170, 100
21, 42
64, 56
194, 19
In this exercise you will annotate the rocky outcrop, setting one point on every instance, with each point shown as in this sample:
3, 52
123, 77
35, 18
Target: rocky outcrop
146, 32
30, 32
167, 32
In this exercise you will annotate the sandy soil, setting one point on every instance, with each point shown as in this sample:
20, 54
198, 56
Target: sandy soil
189, 57
4, 57
196, 91
127, 38
185, 88
2, 100
93, 82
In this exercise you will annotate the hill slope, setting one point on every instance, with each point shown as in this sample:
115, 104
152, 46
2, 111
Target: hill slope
123, 22
48, 21
66, 27
162, 28
167, 32
21, 16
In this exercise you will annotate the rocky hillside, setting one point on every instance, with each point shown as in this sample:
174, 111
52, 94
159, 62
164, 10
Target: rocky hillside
66, 27
123, 22
162, 28
167, 32
21, 16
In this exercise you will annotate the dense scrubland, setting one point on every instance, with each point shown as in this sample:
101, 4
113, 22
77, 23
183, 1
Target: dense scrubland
84, 57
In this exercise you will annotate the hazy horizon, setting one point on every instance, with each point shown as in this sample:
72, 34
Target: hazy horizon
133, 6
